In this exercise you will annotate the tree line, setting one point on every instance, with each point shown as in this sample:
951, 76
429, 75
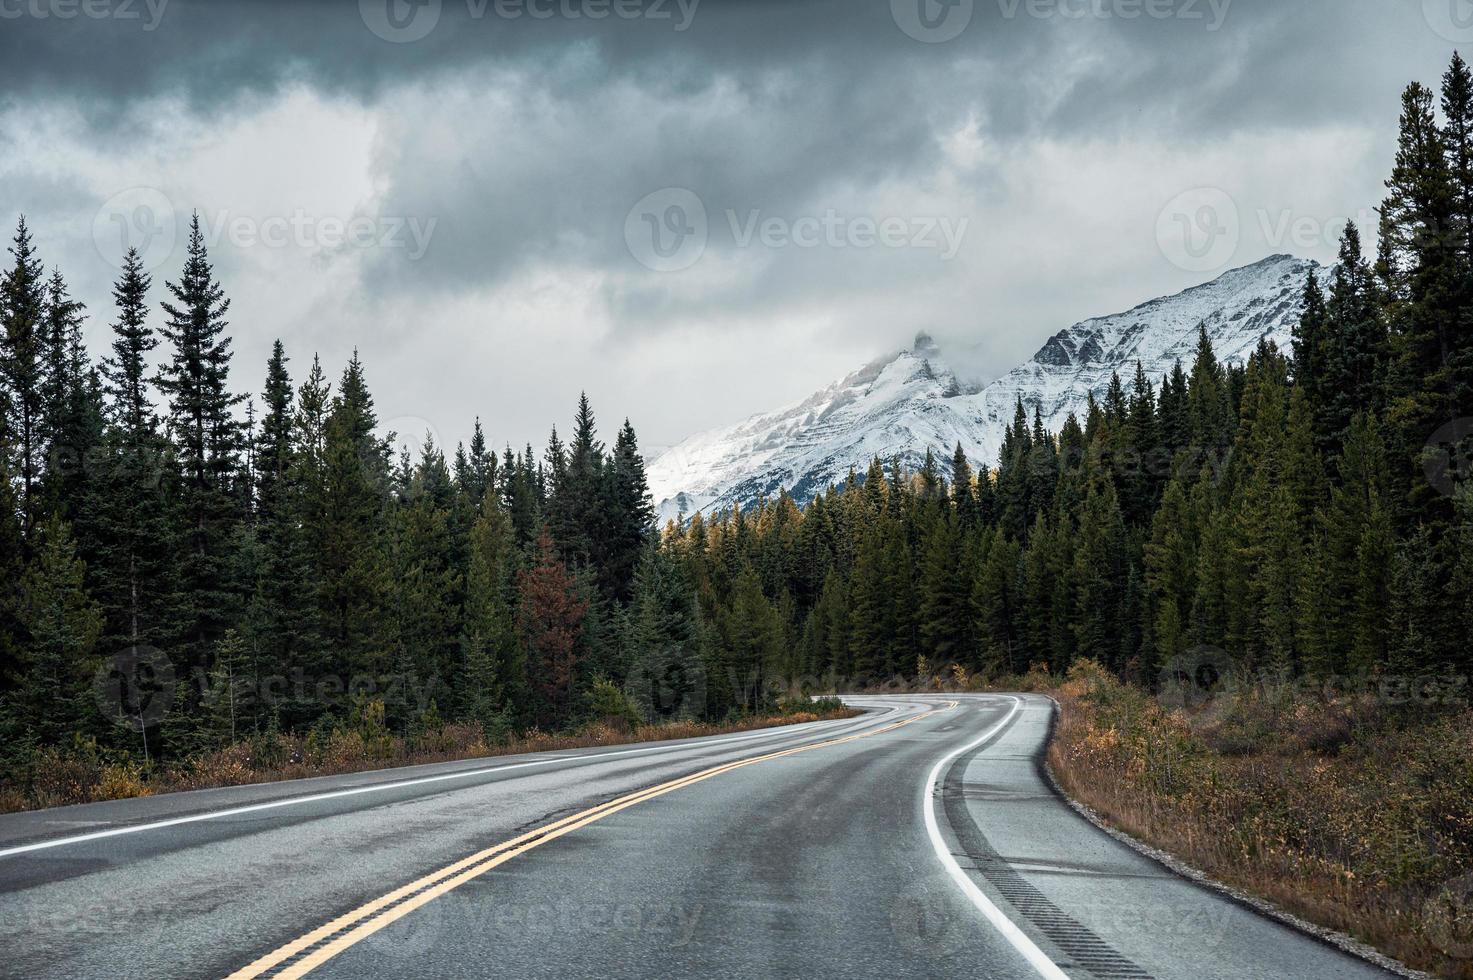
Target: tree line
281, 569
1307, 513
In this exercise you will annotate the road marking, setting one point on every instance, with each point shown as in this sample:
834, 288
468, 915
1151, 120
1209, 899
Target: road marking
384, 787
373, 916
1010, 931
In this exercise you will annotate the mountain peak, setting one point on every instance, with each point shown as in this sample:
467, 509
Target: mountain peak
909, 403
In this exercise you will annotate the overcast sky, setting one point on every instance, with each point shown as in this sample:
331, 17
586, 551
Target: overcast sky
693, 210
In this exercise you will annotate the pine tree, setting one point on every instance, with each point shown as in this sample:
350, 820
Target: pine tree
1170, 561
1209, 403
1457, 110
424, 588
126, 369
1309, 344
995, 607
133, 571
1013, 502
11, 564
628, 515
1098, 574
667, 678
752, 642
351, 560
208, 442
871, 642
963, 490
288, 468
22, 372
71, 411
62, 624
944, 594
496, 673
831, 623
1142, 476
1043, 585
1419, 242
1353, 346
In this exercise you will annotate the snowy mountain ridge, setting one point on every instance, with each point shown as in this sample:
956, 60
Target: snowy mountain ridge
910, 402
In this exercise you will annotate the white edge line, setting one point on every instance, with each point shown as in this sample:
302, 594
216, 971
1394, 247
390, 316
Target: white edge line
383, 787
1009, 930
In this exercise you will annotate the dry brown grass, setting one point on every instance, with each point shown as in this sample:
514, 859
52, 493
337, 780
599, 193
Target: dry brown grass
83, 773
1347, 813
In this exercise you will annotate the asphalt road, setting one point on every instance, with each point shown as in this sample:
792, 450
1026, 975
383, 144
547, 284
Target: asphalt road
916, 841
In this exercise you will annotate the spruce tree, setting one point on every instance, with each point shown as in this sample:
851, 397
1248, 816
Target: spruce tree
133, 573
71, 409
995, 607
496, 672
351, 558
963, 490
752, 642
1353, 346
22, 372
667, 678
944, 596
208, 443
627, 514
62, 624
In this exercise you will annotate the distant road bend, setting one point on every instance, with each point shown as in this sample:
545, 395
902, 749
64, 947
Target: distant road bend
917, 840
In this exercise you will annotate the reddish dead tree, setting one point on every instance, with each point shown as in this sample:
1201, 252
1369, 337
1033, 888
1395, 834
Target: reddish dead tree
550, 613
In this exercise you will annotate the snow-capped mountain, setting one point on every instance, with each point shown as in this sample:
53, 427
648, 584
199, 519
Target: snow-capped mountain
910, 402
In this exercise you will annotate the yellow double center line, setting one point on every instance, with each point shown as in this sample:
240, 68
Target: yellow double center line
307, 952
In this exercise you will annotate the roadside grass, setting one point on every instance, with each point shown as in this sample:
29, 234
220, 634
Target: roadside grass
83, 772
1345, 811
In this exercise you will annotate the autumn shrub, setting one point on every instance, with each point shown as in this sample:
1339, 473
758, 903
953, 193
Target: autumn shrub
1338, 808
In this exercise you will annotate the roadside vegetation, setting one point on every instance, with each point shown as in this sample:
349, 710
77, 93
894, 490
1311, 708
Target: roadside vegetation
85, 772
1350, 809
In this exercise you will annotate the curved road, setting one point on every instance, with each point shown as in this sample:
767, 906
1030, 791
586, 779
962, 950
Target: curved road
918, 840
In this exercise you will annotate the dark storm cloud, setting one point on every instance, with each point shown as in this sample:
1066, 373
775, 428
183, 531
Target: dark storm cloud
527, 141
787, 99
1263, 60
